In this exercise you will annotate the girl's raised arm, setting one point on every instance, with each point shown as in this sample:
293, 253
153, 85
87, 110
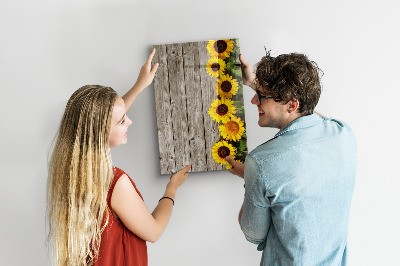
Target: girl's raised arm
145, 78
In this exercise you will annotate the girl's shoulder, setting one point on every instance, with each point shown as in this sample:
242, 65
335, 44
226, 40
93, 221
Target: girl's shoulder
118, 172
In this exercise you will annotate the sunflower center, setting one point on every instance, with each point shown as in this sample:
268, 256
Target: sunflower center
215, 67
226, 86
223, 152
232, 127
222, 109
220, 46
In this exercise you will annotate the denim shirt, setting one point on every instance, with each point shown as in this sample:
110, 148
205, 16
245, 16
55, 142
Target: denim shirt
298, 191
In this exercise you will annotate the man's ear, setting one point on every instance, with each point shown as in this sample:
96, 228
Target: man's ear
293, 105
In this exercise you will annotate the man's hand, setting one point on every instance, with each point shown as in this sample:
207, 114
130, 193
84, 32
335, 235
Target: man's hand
248, 76
237, 168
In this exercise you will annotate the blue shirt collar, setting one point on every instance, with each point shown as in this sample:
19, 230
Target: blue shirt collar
301, 122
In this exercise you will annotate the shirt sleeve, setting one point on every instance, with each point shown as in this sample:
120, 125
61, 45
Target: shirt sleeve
256, 216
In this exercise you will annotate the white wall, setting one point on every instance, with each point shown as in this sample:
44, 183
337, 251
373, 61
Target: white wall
50, 48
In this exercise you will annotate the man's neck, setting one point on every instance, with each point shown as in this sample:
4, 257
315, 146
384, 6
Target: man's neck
290, 119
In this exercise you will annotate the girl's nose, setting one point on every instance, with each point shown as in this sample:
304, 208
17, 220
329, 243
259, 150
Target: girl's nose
129, 122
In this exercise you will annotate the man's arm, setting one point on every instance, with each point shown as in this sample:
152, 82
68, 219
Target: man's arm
237, 169
254, 216
318, 114
248, 75
240, 213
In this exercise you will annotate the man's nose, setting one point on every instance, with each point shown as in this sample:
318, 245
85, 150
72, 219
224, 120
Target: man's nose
254, 100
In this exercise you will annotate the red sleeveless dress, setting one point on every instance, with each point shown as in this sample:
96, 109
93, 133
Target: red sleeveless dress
119, 246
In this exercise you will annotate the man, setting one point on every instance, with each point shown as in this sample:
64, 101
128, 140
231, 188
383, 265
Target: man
299, 184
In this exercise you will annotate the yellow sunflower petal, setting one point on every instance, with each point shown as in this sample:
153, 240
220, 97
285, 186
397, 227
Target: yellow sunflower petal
221, 110
233, 129
220, 48
215, 66
229, 166
221, 149
227, 86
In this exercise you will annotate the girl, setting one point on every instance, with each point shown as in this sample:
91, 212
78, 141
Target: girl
96, 214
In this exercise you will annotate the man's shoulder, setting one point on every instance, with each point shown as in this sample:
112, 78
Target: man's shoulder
268, 150
336, 128
294, 140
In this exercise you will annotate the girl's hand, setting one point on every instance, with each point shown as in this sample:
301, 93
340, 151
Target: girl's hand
176, 180
145, 78
146, 74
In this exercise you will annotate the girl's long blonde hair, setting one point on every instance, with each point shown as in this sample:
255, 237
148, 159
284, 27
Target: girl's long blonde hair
80, 174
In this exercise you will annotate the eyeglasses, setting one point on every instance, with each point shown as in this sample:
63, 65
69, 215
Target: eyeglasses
276, 99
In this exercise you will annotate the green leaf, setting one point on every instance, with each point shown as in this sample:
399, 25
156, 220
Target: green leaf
242, 145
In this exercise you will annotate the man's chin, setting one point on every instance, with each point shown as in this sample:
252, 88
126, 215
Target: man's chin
261, 123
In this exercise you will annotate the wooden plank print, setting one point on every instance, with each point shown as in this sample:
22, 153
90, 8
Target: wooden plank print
199, 105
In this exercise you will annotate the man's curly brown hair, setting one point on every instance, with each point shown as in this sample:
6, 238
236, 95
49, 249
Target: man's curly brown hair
290, 77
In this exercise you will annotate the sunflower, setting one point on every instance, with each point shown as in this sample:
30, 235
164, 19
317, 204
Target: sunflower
229, 166
233, 129
221, 149
215, 66
220, 48
222, 110
226, 86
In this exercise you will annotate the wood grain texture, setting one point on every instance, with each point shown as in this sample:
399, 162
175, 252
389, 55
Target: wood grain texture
163, 111
178, 105
184, 92
194, 107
